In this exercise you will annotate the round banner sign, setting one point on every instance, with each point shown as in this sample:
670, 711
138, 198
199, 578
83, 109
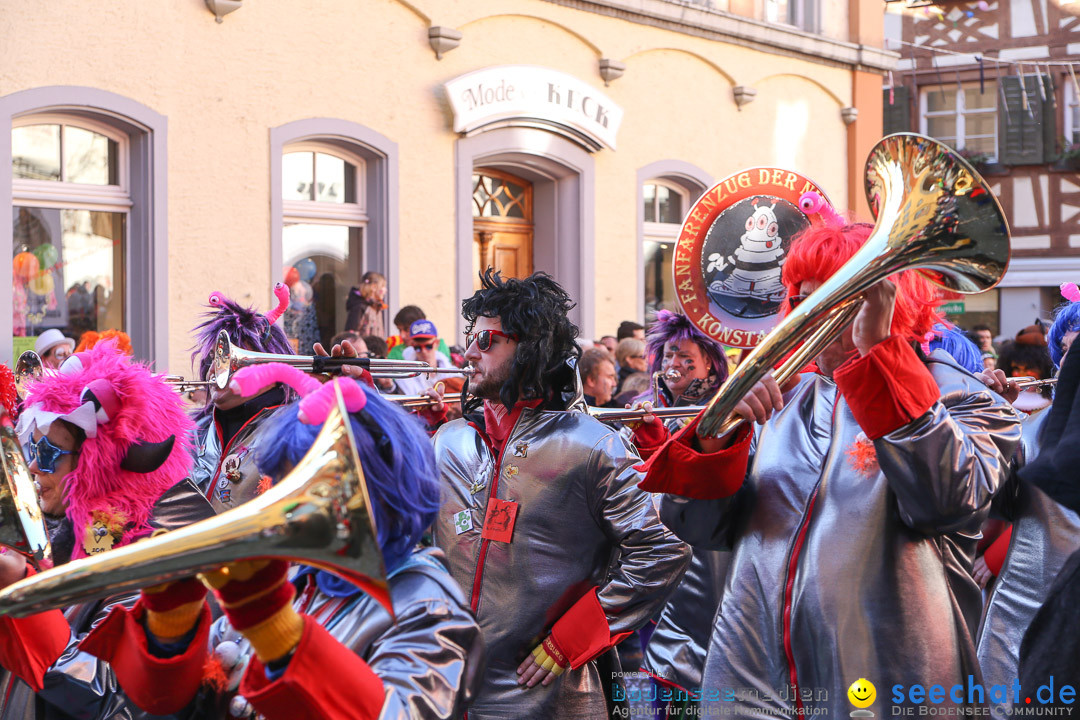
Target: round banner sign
732, 247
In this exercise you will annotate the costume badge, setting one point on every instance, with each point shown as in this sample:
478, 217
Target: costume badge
463, 521
511, 471
500, 519
230, 466
521, 450
732, 248
98, 539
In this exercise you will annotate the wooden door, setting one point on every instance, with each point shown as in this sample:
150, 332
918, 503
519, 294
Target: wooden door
502, 224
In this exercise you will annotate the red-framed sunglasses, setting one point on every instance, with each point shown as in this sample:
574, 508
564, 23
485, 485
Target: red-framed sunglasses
483, 339
425, 346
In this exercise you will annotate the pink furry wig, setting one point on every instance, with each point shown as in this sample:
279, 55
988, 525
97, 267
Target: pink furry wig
141, 409
819, 252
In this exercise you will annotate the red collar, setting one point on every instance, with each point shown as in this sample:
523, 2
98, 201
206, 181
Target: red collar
499, 423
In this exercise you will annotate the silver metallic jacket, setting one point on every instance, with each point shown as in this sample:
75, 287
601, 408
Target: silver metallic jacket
1044, 535
428, 656
79, 685
582, 522
837, 575
231, 480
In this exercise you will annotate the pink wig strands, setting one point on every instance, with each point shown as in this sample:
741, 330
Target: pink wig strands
250, 380
1070, 292
316, 407
282, 294
148, 411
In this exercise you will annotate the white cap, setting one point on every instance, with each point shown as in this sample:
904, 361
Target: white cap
51, 338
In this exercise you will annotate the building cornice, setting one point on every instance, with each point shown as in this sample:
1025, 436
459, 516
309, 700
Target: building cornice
692, 19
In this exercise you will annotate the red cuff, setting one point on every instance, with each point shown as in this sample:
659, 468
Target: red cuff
31, 645
995, 554
160, 686
650, 437
888, 388
678, 469
324, 679
582, 632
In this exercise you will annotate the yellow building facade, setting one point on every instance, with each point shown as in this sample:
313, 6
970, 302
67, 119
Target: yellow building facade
164, 155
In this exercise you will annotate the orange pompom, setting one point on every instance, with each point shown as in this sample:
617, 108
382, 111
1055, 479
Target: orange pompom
265, 483
863, 456
214, 675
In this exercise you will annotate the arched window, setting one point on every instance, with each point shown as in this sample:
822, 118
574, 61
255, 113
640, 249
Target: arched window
70, 187
324, 220
664, 204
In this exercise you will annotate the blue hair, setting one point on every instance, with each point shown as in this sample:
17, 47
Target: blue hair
398, 461
966, 353
1066, 320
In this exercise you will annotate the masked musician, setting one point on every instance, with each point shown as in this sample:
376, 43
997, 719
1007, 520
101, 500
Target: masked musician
852, 509
228, 426
675, 652
313, 645
108, 448
537, 499
1044, 534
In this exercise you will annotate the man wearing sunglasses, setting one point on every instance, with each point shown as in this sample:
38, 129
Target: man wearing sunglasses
538, 498
423, 346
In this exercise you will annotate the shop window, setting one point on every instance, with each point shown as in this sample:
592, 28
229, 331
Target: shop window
324, 221
664, 203
70, 228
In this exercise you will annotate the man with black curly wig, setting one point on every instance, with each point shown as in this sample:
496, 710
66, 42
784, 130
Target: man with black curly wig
559, 552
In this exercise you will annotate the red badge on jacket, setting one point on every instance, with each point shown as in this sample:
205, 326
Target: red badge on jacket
499, 521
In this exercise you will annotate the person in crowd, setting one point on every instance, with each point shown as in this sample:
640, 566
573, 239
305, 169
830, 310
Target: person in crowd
366, 306
1044, 533
957, 345
90, 338
609, 343
630, 359
851, 503
543, 526
983, 336
423, 346
53, 348
351, 335
598, 378
228, 425
634, 385
310, 644
376, 346
108, 446
1029, 356
630, 329
403, 319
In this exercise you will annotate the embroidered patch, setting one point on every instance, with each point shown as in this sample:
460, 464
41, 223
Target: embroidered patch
521, 450
511, 471
499, 521
462, 521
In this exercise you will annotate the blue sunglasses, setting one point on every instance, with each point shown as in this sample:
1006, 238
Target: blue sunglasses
46, 454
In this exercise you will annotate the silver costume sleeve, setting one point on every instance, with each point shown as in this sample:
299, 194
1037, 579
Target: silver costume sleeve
946, 466
651, 560
429, 659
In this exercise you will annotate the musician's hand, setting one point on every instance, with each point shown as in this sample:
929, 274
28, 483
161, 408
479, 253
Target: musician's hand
12, 567
436, 412
758, 405
998, 381
342, 349
873, 323
981, 573
541, 667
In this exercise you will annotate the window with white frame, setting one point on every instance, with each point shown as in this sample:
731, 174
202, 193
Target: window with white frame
963, 116
800, 13
1071, 125
71, 212
664, 205
324, 219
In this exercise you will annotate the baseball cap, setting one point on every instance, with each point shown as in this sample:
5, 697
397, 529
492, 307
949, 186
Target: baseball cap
423, 329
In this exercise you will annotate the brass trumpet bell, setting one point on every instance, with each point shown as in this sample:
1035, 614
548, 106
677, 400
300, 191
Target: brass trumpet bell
934, 213
22, 524
28, 369
319, 515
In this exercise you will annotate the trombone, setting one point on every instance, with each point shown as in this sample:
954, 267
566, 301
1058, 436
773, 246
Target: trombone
627, 414
182, 385
422, 401
319, 514
1030, 383
934, 213
228, 359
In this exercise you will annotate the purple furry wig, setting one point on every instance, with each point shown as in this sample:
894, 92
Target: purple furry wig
676, 327
142, 409
247, 328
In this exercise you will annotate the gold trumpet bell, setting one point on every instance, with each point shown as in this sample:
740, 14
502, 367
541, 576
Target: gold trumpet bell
319, 514
22, 524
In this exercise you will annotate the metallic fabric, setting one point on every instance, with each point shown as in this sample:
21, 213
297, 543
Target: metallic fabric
1044, 535
229, 477
582, 522
875, 568
428, 656
79, 685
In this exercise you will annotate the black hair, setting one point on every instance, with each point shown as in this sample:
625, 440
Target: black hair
1036, 357
534, 310
627, 328
376, 346
407, 315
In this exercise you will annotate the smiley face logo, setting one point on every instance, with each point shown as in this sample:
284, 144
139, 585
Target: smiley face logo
862, 693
